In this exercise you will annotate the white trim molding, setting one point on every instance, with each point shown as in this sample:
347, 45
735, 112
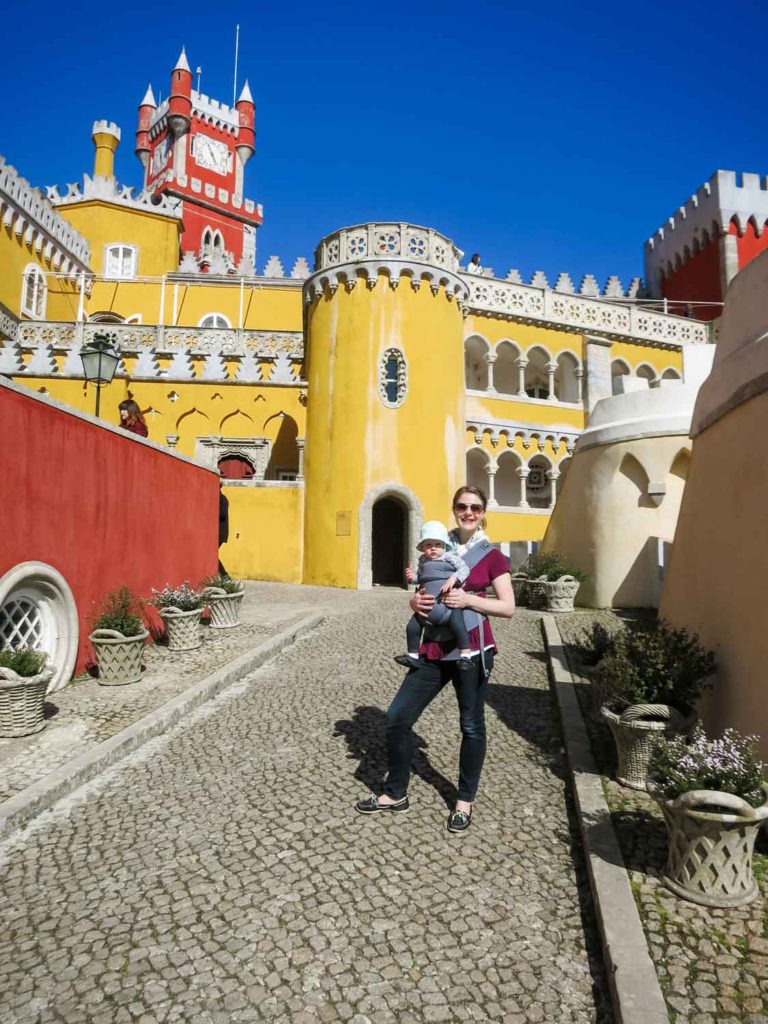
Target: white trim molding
365, 527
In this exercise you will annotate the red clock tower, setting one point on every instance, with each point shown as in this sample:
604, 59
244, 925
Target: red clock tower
195, 149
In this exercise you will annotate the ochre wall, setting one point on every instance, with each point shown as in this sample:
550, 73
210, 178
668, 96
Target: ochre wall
15, 256
356, 444
265, 533
103, 224
103, 508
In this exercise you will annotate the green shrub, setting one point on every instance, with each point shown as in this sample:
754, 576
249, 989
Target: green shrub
659, 665
229, 586
550, 564
727, 765
120, 610
594, 644
24, 662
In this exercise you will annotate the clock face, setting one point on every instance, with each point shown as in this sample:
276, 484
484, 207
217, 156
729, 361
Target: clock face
160, 155
211, 154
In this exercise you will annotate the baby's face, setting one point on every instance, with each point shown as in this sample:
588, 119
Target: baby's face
432, 549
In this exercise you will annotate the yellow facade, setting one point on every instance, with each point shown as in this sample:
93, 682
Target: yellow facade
156, 238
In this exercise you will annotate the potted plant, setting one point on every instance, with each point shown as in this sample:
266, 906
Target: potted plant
552, 581
657, 674
24, 678
714, 800
224, 596
520, 585
180, 608
118, 638
594, 648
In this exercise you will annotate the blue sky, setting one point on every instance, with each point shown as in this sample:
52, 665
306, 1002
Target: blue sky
550, 136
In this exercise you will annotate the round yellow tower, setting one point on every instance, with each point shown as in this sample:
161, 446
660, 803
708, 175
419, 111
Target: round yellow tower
385, 421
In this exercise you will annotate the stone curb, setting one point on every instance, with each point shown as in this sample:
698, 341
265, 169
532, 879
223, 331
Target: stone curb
635, 991
20, 809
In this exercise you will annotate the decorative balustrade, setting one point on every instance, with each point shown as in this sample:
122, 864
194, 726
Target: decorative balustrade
584, 315
387, 241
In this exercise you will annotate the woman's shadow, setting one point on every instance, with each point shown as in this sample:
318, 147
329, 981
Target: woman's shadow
364, 734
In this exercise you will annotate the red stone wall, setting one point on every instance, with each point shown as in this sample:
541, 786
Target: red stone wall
697, 280
101, 506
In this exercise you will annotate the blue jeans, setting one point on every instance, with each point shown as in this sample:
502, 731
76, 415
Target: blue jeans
417, 691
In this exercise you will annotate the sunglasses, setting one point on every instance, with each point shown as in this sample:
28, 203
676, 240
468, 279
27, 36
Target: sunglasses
461, 507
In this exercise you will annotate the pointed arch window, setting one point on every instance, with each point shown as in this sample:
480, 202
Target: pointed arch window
393, 378
34, 293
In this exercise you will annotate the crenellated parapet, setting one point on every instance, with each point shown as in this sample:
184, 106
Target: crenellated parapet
392, 250
107, 190
613, 288
28, 214
727, 197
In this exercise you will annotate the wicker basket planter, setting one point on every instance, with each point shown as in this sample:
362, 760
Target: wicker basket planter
182, 628
711, 839
118, 656
224, 608
520, 588
22, 702
561, 593
536, 593
636, 730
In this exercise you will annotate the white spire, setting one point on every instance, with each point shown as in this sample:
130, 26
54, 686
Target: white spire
182, 64
245, 94
149, 98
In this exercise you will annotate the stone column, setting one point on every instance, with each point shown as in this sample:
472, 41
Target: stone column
521, 362
522, 472
492, 471
579, 383
300, 442
551, 369
490, 359
598, 370
553, 475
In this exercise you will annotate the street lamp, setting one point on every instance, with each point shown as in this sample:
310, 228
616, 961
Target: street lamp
100, 361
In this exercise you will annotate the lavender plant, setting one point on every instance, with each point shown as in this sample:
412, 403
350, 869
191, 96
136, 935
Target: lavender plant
727, 765
185, 597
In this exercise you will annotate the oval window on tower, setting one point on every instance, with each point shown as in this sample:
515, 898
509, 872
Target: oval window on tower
393, 378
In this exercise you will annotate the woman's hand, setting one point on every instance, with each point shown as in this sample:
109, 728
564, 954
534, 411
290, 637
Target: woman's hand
421, 602
457, 599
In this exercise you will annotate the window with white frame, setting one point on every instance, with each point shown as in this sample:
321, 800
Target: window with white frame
393, 378
120, 261
34, 293
214, 320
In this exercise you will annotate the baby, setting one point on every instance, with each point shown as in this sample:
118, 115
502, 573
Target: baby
439, 570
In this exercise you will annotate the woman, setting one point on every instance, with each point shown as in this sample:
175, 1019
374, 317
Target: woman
131, 418
439, 664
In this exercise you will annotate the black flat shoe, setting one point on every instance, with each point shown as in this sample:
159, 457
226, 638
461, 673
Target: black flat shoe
371, 805
406, 660
459, 821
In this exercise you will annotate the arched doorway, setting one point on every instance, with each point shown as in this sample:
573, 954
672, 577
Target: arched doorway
389, 525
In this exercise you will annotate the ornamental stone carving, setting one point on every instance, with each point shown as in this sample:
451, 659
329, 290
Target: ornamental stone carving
378, 241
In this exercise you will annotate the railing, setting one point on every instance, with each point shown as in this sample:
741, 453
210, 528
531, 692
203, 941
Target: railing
382, 241
574, 312
138, 337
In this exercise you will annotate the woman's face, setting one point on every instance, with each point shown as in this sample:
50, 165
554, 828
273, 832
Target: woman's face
124, 415
468, 511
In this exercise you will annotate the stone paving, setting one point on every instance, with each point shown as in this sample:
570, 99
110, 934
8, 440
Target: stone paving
712, 964
84, 713
221, 874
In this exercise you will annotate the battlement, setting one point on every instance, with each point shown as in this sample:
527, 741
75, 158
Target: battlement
108, 190
213, 112
26, 211
726, 198
106, 128
613, 288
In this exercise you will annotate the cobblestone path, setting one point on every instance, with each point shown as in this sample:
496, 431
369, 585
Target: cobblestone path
222, 874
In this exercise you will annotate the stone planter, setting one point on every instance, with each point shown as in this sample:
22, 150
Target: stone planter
536, 594
561, 593
520, 588
182, 628
711, 838
224, 608
636, 730
118, 656
22, 702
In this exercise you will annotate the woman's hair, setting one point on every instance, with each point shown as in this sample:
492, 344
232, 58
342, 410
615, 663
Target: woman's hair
470, 490
134, 412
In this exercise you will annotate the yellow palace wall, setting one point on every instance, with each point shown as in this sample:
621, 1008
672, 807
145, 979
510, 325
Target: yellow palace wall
155, 236
15, 257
